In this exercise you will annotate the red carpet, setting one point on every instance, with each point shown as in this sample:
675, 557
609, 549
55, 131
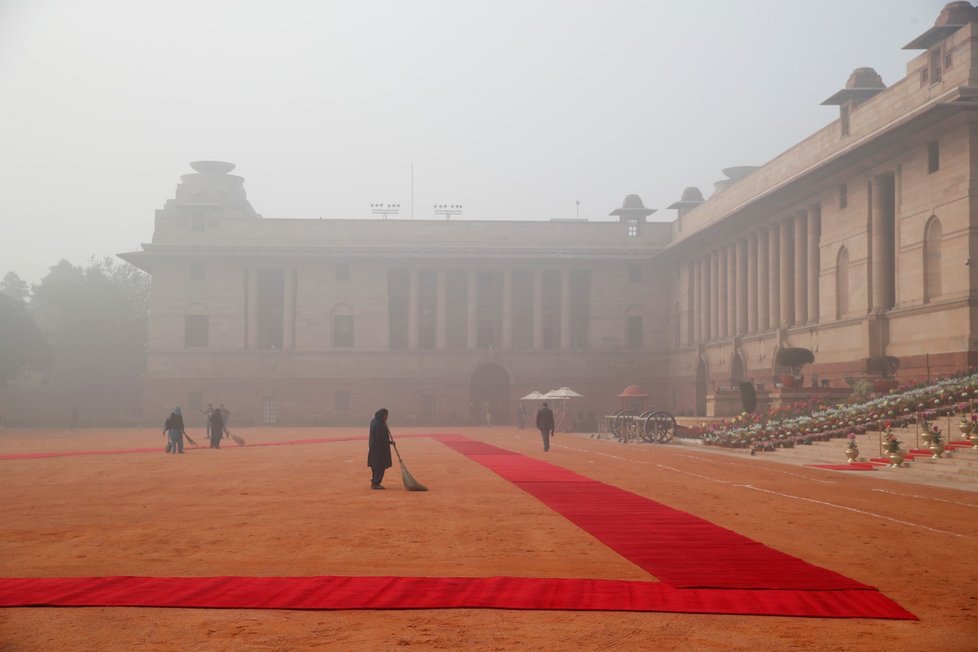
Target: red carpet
858, 466
435, 593
703, 567
680, 549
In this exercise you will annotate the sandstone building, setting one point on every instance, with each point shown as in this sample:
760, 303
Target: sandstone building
856, 243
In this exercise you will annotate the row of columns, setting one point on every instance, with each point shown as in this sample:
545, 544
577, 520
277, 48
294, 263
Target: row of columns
765, 280
441, 320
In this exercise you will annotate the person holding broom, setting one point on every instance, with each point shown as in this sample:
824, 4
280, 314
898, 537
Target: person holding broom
174, 430
216, 428
379, 454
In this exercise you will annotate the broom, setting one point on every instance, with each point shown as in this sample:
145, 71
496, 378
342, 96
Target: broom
192, 442
237, 440
409, 482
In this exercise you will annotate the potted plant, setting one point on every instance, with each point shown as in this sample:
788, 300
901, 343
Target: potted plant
885, 367
852, 451
794, 358
891, 446
936, 441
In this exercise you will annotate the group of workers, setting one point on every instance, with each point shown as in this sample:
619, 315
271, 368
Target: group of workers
216, 420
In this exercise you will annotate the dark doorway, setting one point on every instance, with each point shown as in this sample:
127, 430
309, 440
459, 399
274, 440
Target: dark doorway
736, 370
701, 388
490, 394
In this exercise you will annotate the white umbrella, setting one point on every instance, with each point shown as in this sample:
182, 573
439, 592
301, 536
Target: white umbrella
563, 394
533, 396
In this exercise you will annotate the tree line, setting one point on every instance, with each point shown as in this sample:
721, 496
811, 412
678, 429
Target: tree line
72, 347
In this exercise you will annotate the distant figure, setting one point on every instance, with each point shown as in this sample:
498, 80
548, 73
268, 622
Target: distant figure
379, 455
226, 416
216, 428
173, 429
522, 416
207, 412
488, 414
545, 424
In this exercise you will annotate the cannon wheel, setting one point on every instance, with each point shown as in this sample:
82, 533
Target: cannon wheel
646, 427
619, 425
663, 426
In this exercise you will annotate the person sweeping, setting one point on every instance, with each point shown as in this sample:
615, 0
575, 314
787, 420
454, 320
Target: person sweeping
379, 454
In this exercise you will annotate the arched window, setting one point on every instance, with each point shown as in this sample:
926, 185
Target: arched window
932, 259
842, 284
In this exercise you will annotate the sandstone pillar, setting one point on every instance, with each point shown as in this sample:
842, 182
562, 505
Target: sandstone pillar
565, 338
724, 297
441, 324
470, 335
537, 310
787, 252
801, 268
731, 282
705, 298
763, 281
715, 295
412, 308
507, 309
882, 247
814, 267
774, 270
752, 283
742, 284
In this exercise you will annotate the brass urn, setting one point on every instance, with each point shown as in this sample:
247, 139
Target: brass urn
937, 449
896, 458
852, 453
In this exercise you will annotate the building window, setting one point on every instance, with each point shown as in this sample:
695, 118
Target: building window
342, 272
269, 410
198, 221
343, 331
632, 227
844, 119
923, 77
195, 331
948, 60
341, 403
933, 234
935, 66
843, 195
635, 273
933, 157
633, 339
196, 271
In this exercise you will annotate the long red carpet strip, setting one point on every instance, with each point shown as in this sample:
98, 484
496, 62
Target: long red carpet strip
678, 548
703, 568
856, 466
435, 593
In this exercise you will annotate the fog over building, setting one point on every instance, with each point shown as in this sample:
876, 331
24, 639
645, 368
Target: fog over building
855, 243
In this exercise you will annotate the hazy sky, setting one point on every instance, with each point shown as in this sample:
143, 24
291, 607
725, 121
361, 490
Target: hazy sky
513, 108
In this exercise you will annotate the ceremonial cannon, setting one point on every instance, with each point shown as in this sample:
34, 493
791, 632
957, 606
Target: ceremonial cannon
652, 426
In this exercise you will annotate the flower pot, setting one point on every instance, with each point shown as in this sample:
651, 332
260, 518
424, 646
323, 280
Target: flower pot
937, 450
926, 437
852, 454
896, 458
965, 428
974, 440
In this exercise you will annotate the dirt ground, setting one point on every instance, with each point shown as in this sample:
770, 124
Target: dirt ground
308, 510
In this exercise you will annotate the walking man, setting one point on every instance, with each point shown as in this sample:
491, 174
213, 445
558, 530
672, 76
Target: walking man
379, 455
545, 423
208, 411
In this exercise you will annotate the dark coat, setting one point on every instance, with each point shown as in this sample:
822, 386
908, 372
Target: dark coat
379, 455
216, 423
545, 419
174, 422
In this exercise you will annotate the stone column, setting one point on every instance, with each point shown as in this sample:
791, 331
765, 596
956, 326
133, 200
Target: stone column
801, 268
752, 283
724, 297
882, 246
715, 295
252, 308
412, 308
288, 311
731, 281
690, 303
705, 298
814, 267
565, 338
742, 284
507, 309
441, 317
763, 281
787, 274
470, 335
537, 310
774, 278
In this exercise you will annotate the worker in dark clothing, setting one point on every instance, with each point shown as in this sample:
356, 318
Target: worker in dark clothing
545, 423
379, 455
174, 430
216, 428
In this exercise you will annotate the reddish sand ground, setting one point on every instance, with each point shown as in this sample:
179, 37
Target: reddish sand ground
307, 510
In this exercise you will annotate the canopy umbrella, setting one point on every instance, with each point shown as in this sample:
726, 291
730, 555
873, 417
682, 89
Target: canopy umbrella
562, 394
533, 396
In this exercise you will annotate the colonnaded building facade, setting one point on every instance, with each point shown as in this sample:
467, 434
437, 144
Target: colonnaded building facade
859, 242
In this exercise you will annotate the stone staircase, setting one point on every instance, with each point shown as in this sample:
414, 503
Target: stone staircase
958, 467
